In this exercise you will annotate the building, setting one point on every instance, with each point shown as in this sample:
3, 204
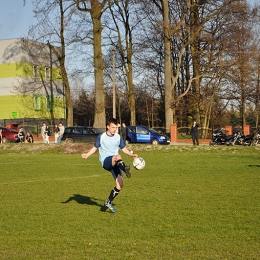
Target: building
31, 87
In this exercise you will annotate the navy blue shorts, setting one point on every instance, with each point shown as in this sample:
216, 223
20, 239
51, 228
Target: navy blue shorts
107, 165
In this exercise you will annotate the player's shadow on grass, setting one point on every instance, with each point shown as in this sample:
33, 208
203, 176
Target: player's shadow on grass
254, 165
85, 200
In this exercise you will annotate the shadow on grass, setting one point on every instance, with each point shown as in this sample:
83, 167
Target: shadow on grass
254, 165
85, 200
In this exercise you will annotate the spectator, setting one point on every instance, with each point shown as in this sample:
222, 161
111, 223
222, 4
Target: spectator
1, 135
62, 128
124, 131
194, 133
56, 134
43, 131
47, 134
29, 138
20, 136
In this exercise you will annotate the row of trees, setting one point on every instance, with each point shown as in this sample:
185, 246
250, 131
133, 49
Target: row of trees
176, 60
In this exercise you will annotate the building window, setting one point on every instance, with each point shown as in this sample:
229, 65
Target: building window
37, 102
49, 102
47, 73
14, 114
35, 71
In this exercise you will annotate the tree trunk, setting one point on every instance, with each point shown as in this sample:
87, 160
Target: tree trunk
195, 53
61, 57
169, 96
126, 50
69, 105
131, 94
96, 12
100, 116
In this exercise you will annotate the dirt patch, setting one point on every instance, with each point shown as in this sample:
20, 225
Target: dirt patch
73, 148
76, 148
41, 147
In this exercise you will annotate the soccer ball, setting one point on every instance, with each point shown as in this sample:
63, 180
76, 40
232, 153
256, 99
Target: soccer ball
139, 163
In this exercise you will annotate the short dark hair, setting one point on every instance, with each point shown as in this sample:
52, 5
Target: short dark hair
112, 121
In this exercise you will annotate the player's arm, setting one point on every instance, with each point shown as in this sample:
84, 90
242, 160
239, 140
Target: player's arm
90, 152
126, 151
122, 146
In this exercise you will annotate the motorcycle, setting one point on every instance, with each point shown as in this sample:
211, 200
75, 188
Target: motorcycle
248, 139
256, 139
219, 138
240, 139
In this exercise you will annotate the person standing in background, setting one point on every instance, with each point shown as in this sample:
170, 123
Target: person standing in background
62, 128
43, 131
124, 131
47, 134
194, 133
56, 134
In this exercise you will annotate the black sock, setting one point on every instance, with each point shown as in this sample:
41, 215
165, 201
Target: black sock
120, 164
113, 194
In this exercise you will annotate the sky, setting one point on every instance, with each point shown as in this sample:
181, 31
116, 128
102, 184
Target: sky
16, 18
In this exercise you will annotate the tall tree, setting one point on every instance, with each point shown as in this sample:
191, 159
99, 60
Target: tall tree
96, 9
240, 51
184, 25
170, 27
120, 12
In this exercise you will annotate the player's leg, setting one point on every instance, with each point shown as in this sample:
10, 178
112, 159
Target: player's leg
115, 191
117, 175
117, 161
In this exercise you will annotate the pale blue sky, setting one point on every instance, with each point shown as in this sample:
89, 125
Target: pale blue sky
15, 18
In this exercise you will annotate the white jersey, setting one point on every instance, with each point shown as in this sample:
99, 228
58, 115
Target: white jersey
108, 145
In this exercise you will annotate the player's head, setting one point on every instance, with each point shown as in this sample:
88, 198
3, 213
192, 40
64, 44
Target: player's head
112, 121
112, 125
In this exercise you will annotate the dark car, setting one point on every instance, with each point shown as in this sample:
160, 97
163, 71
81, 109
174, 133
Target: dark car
144, 134
7, 135
81, 134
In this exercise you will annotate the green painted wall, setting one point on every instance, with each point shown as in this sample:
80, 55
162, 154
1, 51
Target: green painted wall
23, 106
19, 106
26, 70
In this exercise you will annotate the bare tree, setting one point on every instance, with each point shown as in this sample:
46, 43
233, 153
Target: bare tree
183, 47
240, 50
54, 34
120, 12
255, 52
184, 25
96, 10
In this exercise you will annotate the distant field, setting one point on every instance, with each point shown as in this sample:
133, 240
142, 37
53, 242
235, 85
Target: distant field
188, 203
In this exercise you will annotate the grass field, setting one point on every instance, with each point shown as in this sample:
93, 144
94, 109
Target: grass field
188, 203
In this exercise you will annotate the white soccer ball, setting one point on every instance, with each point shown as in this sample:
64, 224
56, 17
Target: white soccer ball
139, 163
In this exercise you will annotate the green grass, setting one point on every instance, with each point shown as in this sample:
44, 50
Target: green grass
188, 203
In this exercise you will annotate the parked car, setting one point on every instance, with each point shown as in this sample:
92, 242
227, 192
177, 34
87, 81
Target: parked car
80, 134
7, 135
144, 134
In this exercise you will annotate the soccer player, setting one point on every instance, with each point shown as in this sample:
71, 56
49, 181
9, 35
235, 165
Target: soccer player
108, 144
